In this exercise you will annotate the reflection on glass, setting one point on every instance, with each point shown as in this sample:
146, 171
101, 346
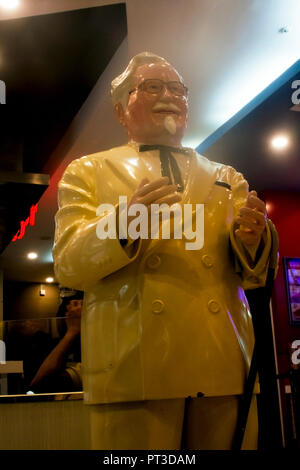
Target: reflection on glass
42, 355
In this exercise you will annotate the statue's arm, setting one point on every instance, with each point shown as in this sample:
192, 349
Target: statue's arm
81, 258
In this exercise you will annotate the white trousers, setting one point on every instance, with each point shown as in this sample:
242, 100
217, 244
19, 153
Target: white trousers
210, 424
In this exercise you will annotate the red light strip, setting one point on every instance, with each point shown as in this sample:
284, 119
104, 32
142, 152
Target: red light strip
23, 224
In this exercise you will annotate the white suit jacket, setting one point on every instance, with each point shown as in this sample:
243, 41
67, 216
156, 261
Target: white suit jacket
158, 321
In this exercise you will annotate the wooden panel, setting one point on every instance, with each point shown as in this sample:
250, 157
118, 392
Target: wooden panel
56, 425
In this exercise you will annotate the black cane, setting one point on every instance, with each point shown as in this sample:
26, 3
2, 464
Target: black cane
263, 363
245, 403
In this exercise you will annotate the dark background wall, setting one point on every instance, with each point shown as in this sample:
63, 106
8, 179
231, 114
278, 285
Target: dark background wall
285, 213
22, 300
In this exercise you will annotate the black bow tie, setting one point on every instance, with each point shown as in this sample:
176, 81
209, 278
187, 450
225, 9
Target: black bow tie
167, 162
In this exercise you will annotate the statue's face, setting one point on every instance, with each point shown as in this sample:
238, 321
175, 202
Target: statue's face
155, 118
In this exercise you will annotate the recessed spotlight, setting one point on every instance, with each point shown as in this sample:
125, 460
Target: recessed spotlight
9, 4
49, 279
279, 142
32, 255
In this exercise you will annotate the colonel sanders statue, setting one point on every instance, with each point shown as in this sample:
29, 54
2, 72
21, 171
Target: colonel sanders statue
161, 323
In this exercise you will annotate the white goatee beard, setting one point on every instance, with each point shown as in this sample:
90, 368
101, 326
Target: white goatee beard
170, 124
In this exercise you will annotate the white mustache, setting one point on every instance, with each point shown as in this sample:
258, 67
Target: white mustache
165, 107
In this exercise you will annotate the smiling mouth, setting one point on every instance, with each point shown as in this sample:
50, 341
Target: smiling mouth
166, 111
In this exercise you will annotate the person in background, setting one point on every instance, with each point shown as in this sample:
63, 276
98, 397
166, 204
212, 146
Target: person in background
57, 373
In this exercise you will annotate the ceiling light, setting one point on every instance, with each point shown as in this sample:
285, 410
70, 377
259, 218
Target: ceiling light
32, 255
279, 142
9, 4
49, 279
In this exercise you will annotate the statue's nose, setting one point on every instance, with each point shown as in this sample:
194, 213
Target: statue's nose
166, 93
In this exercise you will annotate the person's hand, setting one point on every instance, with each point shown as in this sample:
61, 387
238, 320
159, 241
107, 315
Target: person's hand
251, 220
73, 316
158, 191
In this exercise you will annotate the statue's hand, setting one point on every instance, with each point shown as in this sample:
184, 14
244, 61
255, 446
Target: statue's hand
251, 220
158, 191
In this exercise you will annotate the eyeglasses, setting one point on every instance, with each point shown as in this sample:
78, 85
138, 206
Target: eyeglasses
155, 86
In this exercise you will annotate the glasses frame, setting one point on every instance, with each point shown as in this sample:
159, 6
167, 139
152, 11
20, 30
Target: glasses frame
141, 87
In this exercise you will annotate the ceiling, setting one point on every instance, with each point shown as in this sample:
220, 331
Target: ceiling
227, 51
50, 63
244, 142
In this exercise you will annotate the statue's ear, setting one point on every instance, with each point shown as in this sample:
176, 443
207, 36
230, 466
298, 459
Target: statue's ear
119, 112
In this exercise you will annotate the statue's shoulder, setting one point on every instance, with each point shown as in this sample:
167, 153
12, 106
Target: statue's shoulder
220, 171
105, 154
208, 166
98, 158
115, 152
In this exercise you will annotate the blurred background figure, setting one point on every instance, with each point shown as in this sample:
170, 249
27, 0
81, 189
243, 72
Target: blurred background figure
61, 369
49, 349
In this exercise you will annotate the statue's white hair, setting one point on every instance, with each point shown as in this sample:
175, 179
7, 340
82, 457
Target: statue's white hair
122, 84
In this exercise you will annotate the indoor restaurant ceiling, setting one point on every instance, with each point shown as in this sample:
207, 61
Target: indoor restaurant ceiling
228, 52
246, 142
50, 63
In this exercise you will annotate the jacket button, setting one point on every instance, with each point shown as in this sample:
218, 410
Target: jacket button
153, 262
213, 306
157, 306
207, 261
